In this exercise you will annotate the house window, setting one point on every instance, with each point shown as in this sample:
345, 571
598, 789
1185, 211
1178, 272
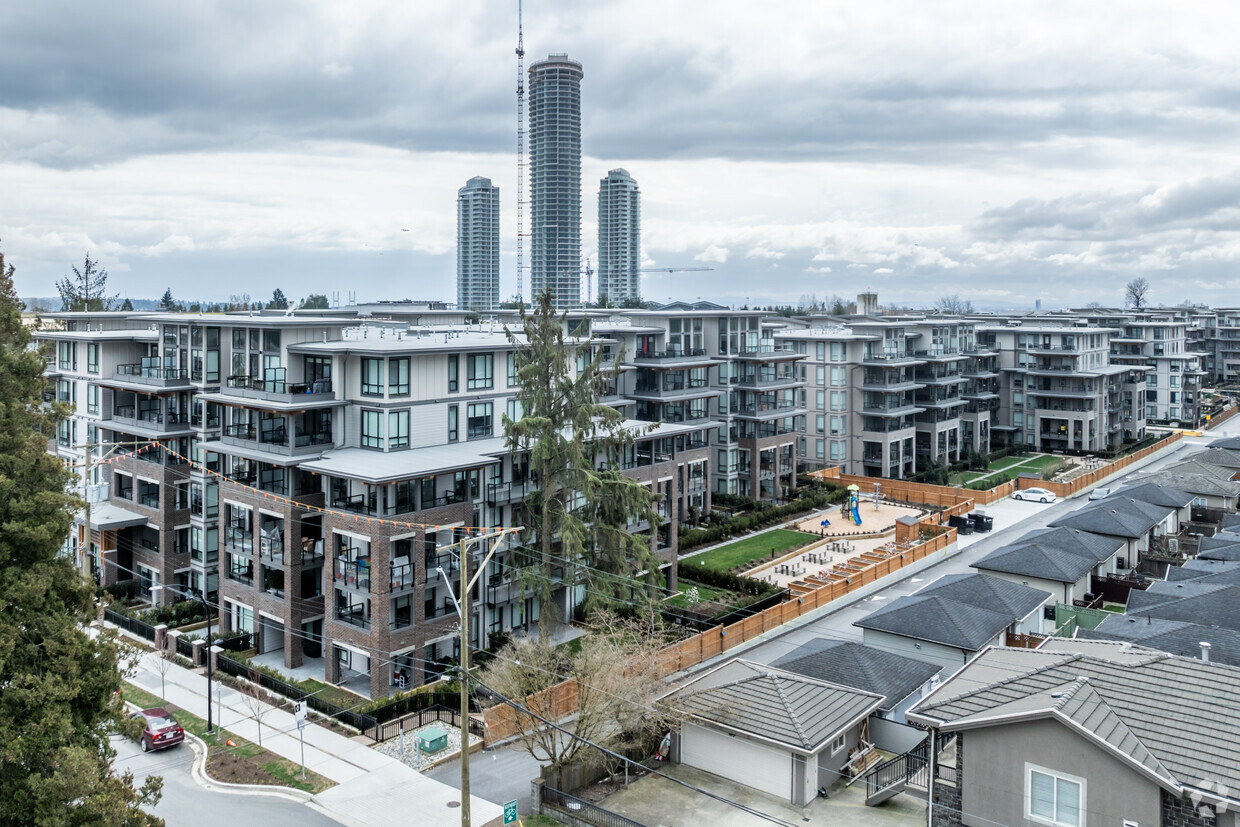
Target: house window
454, 383
372, 377
452, 423
480, 372
398, 376
1054, 799
837, 744
479, 420
372, 429
398, 429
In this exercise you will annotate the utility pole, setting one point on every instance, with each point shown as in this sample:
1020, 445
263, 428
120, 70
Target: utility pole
463, 609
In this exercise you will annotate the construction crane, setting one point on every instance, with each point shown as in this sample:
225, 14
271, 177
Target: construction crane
520, 153
589, 274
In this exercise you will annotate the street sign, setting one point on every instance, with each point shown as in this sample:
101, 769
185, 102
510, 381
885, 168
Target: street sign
510, 812
299, 712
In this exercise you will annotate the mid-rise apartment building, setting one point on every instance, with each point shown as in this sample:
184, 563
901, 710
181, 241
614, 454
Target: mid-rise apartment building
310, 474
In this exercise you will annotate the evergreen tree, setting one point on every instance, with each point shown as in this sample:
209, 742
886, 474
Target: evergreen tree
315, 301
168, 303
59, 703
278, 301
577, 511
127, 305
84, 290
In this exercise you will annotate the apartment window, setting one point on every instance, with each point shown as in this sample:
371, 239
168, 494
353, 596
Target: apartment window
1151, 412
515, 411
1175, 381
819, 449
837, 451
837, 351
837, 376
398, 376
837, 400
822, 352
820, 400
479, 420
820, 373
820, 423
479, 371
372, 377
452, 423
837, 426
92, 357
454, 383
513, 379
1054, 799
398, 429
92, 399
372, 429
1151, 379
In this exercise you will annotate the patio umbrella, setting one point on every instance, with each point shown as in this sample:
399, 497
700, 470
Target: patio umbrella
854, 487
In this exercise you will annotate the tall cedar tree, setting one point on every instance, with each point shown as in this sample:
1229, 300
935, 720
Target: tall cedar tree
59, 703
578, 513
84, 290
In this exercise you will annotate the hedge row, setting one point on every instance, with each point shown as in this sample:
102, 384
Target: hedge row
763, 514
725, 580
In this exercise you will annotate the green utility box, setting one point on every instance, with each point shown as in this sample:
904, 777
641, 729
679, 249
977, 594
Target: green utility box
433, 739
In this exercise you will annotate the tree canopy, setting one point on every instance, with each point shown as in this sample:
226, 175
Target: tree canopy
278, 301
578, 511
86, 288
59, 703
1136, 291
166, 302
315, 301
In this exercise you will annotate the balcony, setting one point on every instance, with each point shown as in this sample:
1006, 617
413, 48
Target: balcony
354, 615
352, 574
278, 390
888, 359
402, 576
311, 550
275, 441
769, 352
151, 420
766, 410
693, 355
271, 549
510, 492
148, 372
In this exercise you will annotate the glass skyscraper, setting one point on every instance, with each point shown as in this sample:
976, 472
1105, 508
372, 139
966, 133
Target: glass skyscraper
555, 179
619, 237
477, 245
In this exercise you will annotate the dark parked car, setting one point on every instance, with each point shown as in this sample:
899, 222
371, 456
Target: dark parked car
161, 729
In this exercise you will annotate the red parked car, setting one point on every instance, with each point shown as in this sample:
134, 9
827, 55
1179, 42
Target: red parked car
161, 730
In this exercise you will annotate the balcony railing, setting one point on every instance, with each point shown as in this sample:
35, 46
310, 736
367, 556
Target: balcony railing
278, 387
659, 355
402, 576
352, 573
152, 374
353, 615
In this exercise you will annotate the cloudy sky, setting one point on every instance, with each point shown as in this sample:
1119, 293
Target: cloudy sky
1006, 152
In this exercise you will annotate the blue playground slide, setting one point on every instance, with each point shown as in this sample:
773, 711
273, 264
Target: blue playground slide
856, 515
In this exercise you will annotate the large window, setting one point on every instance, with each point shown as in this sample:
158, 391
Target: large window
372, 429
372, 377
398, 429
453, 433
479, 420
514, 380
1054, 799
454, 368
480, 372
92, 357
398, 376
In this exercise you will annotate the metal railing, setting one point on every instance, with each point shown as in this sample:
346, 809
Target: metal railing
130, 624
583, 810
364, 723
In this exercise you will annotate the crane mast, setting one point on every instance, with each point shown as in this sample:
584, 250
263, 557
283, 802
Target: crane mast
520, 155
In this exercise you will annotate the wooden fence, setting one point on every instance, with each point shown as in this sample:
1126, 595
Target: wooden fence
1067, 489
561, 700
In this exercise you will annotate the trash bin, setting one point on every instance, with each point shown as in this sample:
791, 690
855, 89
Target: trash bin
981, 523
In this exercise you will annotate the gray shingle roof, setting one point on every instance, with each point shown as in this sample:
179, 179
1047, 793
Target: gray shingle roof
1061, 554
1176, 637
1116, 517
1205, 571
1216, 455
773, 704
1186, 479
961, 610
856, 665
1165, 714
1154, 494
1215, 603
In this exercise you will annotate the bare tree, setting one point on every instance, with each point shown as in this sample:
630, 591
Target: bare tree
615, 679
84, 290
255, 700
1136, 291
163, 665
954, 305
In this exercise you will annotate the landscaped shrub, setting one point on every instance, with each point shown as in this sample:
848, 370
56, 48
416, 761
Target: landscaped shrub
993, 481
725, 580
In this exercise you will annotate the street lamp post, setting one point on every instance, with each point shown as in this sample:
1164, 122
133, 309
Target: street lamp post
206, 610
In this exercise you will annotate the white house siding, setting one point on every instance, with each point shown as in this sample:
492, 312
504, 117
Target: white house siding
765, 767
948, 657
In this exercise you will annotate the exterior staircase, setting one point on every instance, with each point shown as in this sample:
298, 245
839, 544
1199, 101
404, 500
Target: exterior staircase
896, 775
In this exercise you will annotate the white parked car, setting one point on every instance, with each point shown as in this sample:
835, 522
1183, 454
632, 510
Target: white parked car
1040, 495
1100, 493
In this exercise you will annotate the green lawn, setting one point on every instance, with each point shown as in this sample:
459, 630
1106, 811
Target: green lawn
704, 593
749, 550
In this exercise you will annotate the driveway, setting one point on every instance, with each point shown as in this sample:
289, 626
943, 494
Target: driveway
658, 802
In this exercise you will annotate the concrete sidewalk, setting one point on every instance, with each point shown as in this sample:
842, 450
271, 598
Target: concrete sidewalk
371, 787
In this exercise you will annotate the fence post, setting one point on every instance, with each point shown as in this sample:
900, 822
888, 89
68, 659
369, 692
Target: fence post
198, 644
536, 788
161, 636
170, 640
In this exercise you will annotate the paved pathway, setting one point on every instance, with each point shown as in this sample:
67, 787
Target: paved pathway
371, 788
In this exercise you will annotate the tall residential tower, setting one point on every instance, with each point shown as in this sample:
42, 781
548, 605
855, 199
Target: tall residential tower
477, 245
619, 237
555, 179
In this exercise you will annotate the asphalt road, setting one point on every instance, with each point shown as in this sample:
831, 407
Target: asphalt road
186, 804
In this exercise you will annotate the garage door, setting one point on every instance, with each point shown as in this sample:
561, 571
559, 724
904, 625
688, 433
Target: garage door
763, 767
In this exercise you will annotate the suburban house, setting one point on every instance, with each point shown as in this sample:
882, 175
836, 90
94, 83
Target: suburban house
1211, 484
955, 617
776, 731
1057, 560
1176, 637
1193, 601
1085, 733
1160, 495
901, 682
1223, 546
1138, 524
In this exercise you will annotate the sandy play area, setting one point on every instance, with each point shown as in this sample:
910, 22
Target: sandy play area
874, 519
